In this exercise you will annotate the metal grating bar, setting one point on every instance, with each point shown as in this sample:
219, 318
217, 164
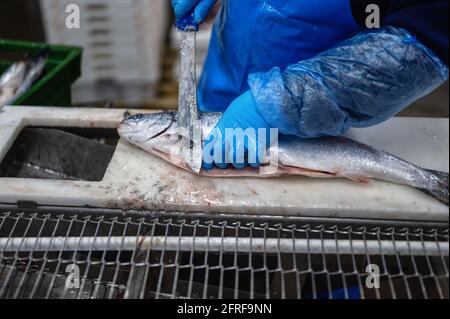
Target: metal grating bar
50, 255
227, 244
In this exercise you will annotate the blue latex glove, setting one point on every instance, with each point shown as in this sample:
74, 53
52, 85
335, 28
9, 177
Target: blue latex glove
358, 83
238, 150
201, 8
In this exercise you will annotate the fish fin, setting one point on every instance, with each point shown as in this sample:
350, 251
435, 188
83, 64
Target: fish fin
293, 170
126, 114
43, 54
355, 178
440, 190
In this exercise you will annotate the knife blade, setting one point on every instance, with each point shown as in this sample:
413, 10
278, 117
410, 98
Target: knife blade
187, 95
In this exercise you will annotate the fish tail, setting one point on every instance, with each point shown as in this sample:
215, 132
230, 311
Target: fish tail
36, 62
440, 189
42, 54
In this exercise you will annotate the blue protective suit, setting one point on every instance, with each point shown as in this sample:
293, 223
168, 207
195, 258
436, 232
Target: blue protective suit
312, 67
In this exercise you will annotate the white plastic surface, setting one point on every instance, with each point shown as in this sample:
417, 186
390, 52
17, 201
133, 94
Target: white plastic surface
138, 180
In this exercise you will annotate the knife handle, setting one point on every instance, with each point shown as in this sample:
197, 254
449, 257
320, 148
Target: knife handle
187, 23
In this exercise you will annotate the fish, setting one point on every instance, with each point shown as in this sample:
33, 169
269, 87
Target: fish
326, 157
20, 76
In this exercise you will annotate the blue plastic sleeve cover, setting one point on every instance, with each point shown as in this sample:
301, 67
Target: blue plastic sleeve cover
359, 83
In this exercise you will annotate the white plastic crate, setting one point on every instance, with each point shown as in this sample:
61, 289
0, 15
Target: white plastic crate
122, 41
124, 93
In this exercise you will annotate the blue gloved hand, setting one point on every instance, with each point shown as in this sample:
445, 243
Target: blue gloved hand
240, 138
201, 8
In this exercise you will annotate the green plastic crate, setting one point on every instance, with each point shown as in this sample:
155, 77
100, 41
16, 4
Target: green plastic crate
62, 69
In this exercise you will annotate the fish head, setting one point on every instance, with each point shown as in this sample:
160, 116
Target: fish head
156, 133
145, 130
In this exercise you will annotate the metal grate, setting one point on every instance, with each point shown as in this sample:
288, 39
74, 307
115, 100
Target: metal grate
135, 256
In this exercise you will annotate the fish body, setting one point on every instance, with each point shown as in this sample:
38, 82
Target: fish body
326, 157
19, 77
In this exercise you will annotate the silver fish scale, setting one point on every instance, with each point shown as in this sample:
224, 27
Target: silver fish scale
349, 157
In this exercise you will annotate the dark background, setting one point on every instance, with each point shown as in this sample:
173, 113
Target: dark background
21, 19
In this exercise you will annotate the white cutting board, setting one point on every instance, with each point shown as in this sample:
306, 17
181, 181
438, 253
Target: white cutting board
138, 180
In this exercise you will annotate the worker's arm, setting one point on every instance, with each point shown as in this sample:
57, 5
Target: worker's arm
359, 83
200, 8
